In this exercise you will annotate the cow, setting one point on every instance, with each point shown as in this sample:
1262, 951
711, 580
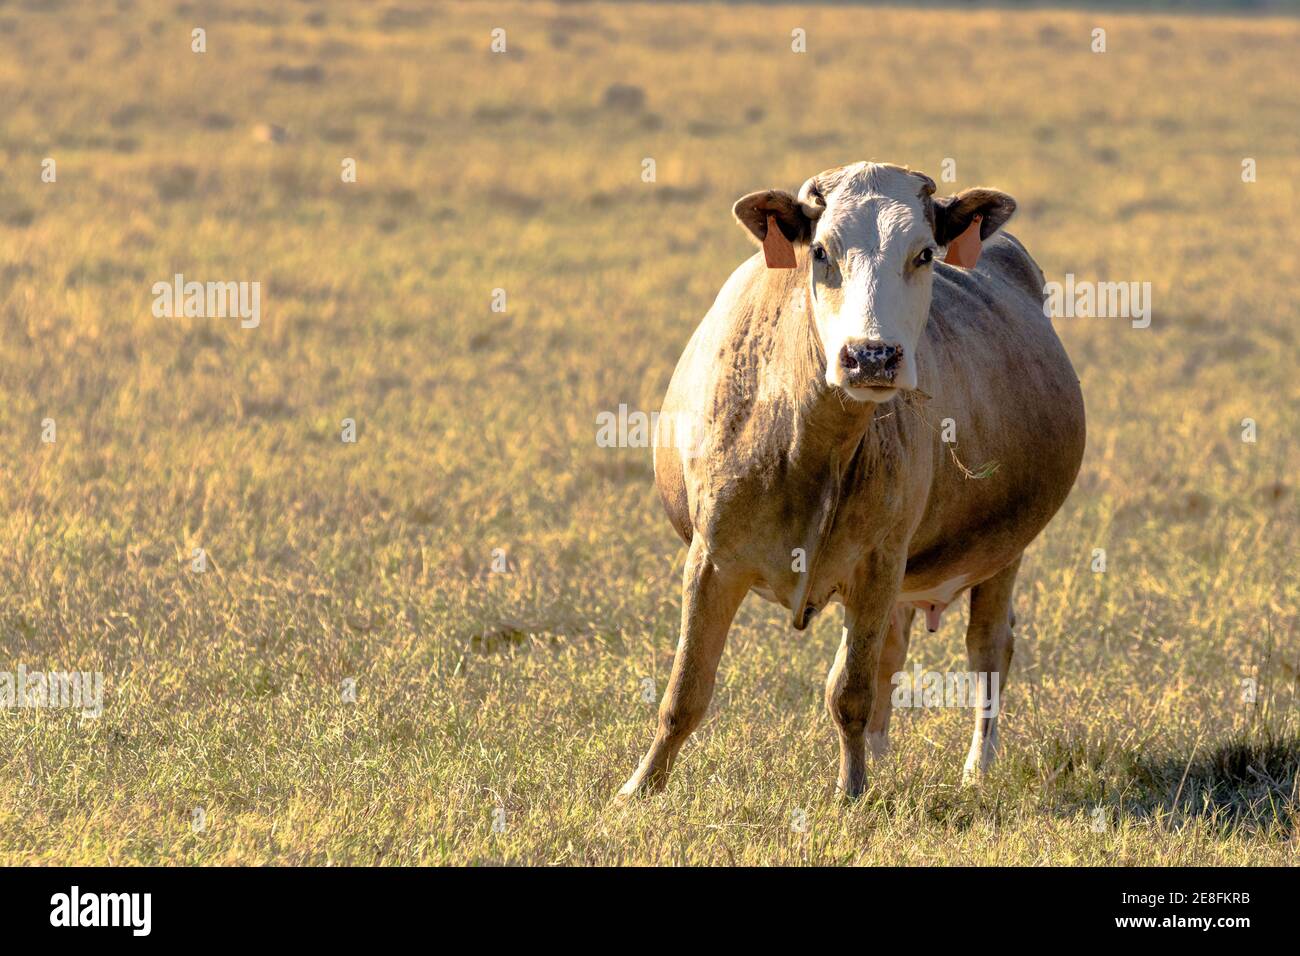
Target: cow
820, 470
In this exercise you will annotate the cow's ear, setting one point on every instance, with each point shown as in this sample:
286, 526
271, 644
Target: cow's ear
752, 212
954, 214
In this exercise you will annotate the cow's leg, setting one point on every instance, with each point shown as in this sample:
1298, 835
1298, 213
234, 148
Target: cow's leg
989, 646
710, 598
851, 684
893, 658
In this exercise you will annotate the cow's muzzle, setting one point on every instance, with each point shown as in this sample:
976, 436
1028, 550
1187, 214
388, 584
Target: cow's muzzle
870, 364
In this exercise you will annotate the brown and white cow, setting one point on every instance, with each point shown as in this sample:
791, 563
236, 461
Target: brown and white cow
818, 470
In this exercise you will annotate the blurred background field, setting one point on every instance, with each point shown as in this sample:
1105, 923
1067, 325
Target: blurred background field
476, 430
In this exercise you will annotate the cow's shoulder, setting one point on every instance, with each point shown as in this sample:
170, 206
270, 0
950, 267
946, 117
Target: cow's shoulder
1005, 257
1002, 294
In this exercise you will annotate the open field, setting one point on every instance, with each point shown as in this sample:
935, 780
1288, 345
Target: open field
1125, 737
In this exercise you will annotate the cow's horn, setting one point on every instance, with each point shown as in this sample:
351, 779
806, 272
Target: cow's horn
811, 199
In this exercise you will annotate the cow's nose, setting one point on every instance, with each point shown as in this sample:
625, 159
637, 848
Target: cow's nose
865, 363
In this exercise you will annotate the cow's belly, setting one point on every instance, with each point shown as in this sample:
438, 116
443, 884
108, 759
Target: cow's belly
971, 546
941, 573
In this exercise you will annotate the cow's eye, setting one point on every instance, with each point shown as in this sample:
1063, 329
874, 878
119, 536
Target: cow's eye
924, 256
819, 253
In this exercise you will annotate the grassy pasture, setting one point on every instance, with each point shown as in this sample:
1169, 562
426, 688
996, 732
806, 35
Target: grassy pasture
373, 561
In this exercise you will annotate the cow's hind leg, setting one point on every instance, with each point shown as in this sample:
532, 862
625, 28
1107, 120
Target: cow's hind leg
893, 659
989, 641
710, 598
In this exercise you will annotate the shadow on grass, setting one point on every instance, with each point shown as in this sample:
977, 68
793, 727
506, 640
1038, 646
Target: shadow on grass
1247, 782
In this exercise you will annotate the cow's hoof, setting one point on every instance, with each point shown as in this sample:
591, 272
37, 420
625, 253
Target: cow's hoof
971, 776
625, 796
636, 789
878, 745
850, 791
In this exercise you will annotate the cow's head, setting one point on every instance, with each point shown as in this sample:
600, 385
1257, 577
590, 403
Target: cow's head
874, 234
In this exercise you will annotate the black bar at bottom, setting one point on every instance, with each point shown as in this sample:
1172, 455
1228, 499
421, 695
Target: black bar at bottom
337, 906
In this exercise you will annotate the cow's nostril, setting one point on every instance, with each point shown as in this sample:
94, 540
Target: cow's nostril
848, 360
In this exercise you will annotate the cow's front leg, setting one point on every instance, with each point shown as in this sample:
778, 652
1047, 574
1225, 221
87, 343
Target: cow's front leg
851, 685
710, 598
893, 659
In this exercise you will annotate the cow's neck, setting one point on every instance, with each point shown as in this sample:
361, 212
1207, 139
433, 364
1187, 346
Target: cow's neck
834, 443
828, 425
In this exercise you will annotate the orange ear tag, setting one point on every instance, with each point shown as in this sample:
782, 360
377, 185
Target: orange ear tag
964, 251
777, 249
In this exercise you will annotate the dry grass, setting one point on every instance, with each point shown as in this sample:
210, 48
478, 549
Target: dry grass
476, 431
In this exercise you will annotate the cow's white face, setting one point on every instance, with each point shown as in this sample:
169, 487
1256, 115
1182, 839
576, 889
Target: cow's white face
872, 258
874, 232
